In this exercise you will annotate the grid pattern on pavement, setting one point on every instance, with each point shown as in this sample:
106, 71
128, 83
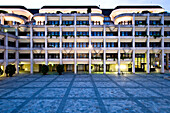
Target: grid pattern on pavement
93, 93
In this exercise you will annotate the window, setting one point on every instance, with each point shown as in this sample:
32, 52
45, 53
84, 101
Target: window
107, 23
82, 33
54, 45
97, 33
111, 44
39, 34
82, 22
125, 33
97, 44
106, 18
68, 45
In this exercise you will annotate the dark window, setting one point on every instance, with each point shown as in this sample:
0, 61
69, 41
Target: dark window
68, 45
54, 45
24, 56
68, 55
53, 56
111, 44
27, 45
11, 44
11, 55
39, 56
38, 45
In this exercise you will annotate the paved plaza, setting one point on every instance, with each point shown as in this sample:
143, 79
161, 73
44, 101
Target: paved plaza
95, 93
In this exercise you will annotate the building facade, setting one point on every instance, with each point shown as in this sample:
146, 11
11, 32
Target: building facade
85, 38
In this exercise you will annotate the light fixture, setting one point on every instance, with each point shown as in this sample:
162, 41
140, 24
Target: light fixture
6, 30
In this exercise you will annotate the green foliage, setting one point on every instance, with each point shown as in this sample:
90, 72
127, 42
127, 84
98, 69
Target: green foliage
1, 71
60, 69
44, 69
2, 11
58, 12
10, 70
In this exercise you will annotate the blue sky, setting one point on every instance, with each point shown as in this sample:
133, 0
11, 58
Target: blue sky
102, 3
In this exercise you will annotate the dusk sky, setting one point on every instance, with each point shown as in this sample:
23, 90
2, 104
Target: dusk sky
102, 3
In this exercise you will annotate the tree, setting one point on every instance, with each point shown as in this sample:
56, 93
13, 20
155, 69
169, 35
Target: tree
60, 69
1, 71
10, 70
44, 69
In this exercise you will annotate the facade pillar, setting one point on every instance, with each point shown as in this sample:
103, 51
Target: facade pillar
17, 58
90, 47
17, 53
104, 52
162, 54
31, 51
133, 64
162, 61
133, 44
61, 39
6, 51
148, 46
75, 46
118, 50
148, 61
46, 42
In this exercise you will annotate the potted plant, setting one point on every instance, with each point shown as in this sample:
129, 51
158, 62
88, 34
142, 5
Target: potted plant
1, 71
60, 69
44, 69
10, 70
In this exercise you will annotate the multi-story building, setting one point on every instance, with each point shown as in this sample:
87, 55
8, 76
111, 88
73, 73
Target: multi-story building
85, 38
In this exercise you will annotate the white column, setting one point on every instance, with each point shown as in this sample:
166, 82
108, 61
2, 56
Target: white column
90, 43
162, 61
61, 39
162, 44
2, 20
75, 44
17, 53
31, 50
162, 55
17, 58
133, 44
46, 42
118, 61
6, 51
148, 61
162, 19
104, 52
148, 46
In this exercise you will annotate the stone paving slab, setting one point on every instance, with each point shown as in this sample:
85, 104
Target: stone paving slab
59, 84
105, 84
122, 106
111, 92
163, 91
81, 106
36, 84
82, 84
41, 106
82, 92
52, 92
129, 84
22, 93
157, 105
141, 92
8, 105
13, 84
